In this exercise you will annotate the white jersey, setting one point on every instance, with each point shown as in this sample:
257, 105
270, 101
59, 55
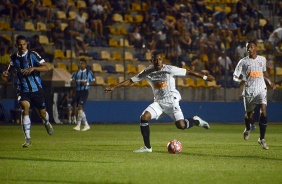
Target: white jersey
162, 82
251, 71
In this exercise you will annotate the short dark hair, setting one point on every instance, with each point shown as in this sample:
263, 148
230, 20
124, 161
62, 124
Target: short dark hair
252, 41
155, 53
20, 37
83, 60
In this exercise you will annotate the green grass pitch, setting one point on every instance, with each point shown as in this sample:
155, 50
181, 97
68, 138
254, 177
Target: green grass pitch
104, 154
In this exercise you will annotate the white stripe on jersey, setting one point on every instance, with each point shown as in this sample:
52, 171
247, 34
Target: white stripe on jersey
162, 82
252, 72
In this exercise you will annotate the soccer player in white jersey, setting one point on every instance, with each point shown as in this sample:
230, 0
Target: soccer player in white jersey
166, 97
252, 75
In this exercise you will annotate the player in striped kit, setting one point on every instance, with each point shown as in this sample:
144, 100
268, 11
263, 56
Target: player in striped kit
252, 75
166, 97
28, 65
83, 79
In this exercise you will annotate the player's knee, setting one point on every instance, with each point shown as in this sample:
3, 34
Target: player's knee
80, 113
145, 117
180, 124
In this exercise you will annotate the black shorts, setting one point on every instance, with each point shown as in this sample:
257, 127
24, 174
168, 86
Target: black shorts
36, 99
81, 97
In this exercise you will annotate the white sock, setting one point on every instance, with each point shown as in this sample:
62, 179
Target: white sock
84, 119
46, 120
26, 126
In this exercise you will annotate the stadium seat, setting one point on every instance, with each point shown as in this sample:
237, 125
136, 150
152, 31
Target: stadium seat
70, 54
116, 56
140, 68
40, 26
190, 82
117, 17
48, 3
180, 82
128, 18
29, 26
7, 37
72, 14
122, 30
5, 26
105, 55
129, 56
136, 7
262, 22
125, 42
73, 67
212, 84
112, 30
113, 42
81, 4
63, 26
111, 81
61, 14
138, 18
119, 68
97, 68
144, 83
59, 54
100, 81
43, 39
62, 65
131, 69
200, 83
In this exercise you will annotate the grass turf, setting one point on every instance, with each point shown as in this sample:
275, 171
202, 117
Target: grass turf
104, 155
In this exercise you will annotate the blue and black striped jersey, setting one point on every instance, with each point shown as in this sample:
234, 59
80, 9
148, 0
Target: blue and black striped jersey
82, 76
31, 82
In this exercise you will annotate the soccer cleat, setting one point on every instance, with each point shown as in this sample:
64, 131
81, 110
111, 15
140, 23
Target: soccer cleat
253, 127
263, 144
77, 128
85, 128
144, 150
202, 123
246, 134
27, 143
49, 128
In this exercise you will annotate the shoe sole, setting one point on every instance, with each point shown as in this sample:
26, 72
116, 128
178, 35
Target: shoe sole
49, 129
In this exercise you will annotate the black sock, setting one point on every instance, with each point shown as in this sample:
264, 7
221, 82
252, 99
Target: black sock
191, 122
262, 126
145, 131
248, 123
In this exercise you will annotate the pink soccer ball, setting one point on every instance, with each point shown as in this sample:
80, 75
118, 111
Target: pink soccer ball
174, 147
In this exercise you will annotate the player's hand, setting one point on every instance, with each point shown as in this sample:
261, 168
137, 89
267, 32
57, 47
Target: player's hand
5, 74
273, 86
27, 71
109, 89
210, 78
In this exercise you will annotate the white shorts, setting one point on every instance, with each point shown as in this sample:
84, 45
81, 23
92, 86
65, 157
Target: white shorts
158, 110
250, 102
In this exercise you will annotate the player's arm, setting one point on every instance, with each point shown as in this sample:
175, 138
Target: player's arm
241, 88
267, 80
124, 83
200, 75
41, 68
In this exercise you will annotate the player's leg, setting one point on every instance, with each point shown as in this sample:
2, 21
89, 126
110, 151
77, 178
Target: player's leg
176, 114
249, 105
153, 111
262, 127
81, 112
38, 100
26, 123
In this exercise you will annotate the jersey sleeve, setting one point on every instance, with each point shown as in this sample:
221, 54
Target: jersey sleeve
91, 77
142, 75
176, 71
36, 58
238, 69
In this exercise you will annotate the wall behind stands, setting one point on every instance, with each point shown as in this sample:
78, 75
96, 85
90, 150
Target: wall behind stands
130, 111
